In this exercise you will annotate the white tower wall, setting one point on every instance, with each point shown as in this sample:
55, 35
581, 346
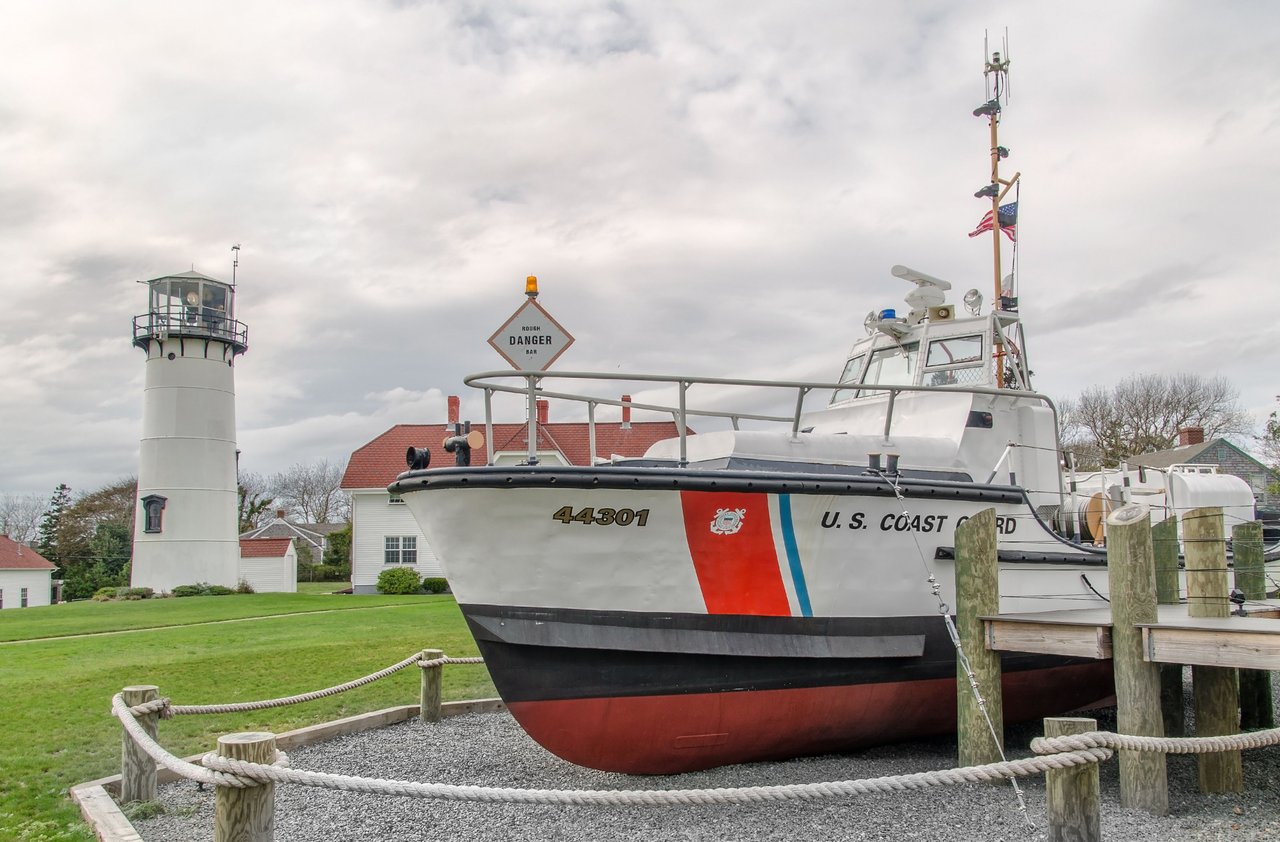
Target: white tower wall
187, 455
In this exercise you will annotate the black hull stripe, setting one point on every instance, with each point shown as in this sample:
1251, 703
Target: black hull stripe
556, 661
675, 479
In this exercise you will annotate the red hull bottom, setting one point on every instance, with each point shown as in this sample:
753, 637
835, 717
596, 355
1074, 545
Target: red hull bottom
660, 735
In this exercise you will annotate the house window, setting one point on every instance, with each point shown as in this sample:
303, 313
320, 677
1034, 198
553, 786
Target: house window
1, 598
152, 512
400, 549
24, 597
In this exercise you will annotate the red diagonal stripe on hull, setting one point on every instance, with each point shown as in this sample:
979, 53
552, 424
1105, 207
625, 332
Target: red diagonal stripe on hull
738, 573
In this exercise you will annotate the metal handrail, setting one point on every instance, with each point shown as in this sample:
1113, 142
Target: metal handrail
532, 387
159, 324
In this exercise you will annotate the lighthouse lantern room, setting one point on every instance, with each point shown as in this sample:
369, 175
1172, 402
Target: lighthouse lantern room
186, 525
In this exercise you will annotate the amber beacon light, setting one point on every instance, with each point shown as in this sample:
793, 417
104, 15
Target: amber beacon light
531, 286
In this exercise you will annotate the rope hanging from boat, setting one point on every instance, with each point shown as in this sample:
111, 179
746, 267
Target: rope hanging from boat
935, 587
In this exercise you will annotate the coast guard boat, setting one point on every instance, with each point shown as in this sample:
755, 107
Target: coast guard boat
764, 590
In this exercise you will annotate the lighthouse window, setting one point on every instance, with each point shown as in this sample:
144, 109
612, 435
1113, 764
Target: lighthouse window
152, 512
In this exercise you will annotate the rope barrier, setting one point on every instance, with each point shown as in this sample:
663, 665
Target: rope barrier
167, 710
1006, 770
1052, 753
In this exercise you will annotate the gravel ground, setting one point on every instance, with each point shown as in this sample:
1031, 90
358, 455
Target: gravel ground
490, 749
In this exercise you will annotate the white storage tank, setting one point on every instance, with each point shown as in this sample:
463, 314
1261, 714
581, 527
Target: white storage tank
186, 524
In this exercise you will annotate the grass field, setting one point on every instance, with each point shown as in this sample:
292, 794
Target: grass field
57, 726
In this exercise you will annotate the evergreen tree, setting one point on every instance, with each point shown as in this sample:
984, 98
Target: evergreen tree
47, 535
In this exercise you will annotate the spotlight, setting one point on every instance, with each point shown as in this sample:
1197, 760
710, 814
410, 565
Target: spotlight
1003, 152
988, 192
990, 108
973, 301
869, 323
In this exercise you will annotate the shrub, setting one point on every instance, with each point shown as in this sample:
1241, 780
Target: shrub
138, 593
434, 585
244, 587
399, 580
220, 590
191, 590
105, 594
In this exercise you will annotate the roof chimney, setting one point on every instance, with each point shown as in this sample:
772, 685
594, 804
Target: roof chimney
455, 409
279, 514
1190, 435
626, 412
544, 409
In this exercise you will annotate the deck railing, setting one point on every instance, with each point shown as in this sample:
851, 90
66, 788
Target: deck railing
534, 387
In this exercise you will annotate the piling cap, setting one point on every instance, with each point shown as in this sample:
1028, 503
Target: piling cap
1128, 513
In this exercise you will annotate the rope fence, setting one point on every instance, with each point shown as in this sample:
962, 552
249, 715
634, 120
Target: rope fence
247, 781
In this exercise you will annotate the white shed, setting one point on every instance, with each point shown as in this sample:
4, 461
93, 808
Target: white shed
26, 577
269, 565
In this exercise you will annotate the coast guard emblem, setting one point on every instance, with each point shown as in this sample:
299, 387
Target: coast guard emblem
727, 521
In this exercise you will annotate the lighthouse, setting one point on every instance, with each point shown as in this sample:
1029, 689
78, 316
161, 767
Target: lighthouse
185, 528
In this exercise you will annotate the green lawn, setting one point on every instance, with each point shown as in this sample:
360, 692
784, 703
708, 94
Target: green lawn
56, 717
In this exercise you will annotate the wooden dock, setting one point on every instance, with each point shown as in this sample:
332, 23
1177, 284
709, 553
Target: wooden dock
1248, 642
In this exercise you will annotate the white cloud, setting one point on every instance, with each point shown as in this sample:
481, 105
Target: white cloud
706, 188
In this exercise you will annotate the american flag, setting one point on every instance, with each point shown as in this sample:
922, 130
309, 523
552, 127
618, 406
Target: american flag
1008, 222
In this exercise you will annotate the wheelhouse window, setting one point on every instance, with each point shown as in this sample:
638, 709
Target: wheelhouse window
153, 512
400, 549
955, 360
851, 374
892, 366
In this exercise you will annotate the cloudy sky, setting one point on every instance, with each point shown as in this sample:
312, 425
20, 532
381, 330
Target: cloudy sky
713, 188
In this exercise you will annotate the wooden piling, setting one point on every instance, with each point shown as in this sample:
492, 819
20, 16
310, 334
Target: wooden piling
432, 685
977, 594
1217, 695
1072, 799
1164, 544
1131, 569
246, 814
137, 769
1257, 705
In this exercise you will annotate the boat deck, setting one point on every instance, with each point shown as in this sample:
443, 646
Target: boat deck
1249, 642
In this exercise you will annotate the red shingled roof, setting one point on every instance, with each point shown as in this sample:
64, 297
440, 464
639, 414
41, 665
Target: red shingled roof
378, 463
264, 547
15, 556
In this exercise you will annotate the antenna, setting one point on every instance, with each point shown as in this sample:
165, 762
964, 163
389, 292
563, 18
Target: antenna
235, 261
995, 72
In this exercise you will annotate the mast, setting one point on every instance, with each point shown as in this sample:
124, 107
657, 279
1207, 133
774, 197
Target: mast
996, 75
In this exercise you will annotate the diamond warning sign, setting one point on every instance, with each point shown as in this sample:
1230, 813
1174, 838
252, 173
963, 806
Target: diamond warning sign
531, 340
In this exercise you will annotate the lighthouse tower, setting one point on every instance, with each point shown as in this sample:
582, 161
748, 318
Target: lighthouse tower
185, 530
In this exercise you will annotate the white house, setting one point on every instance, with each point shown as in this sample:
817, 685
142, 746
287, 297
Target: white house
383, 531
26, 577
269, 565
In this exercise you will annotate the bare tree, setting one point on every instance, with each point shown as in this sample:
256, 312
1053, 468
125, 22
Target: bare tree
312, 493
20, 516
1143, 413
256, 502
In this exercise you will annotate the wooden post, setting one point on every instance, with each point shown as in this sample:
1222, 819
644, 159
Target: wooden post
137, 769
1217, 695
1164, 542
248, 814
1257, 706
1072, 798
1131, 571
432, 682
977, 593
